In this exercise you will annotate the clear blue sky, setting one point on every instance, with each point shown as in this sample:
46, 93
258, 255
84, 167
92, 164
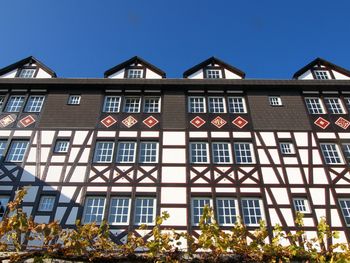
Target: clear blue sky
265, 38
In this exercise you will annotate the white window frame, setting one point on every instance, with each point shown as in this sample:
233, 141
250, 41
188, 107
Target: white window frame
251, 149
347, 222
61, 146
3, 144
85, 209
153, 214
156, 149
110, 107
228, 149
109, 156
138, 105
347, 103
200, 208
286, 151
4, 200
336, 149
17, 103
234, 109
305, 204
320, 74
38, 103
346, 151
74, 99
339, 109
213, 73
214, 109
133, 73
261, 207
275, 101
27, 73
133, 156
118, 207
44, 205
202, 101
15, 152
236, 208
145, 101
207, 150
310, 107
2, 100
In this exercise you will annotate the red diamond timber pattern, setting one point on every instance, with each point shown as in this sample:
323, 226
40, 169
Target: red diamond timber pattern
322, 123
7, 120
240, 122
129, 121
150, 121
197, 122
26, 121
218, 122
108, 121
342, 123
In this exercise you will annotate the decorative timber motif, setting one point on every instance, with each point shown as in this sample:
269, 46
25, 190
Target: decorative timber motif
322, 123
150, 121
108, 121
240, 122
7, 120
26, 121
197, 122
218, 122
129, 121
342, 123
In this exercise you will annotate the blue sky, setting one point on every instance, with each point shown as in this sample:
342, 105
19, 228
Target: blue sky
264, 38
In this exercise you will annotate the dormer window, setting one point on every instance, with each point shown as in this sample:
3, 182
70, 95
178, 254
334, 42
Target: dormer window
213, 73
27, 73
321, 74
135, 73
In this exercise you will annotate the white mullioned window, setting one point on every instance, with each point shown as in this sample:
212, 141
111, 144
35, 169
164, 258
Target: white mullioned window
111, 104
347, 103
145, 210
94, 209
103, 152
132, 104
221, 152
346, 150
345, 208
151, 105
126, 152
243, 152
287, 148
15, 103
34, 103
331, 153
213, 73
135, 73
314, 106
17, 151
2, 100
322, 74
226, 211
148, 152
4, 199
301, 205
199, 152
196, 105
334, 105
46, 203
119, 211
74, 99
27, 73
236, 105
275, 101
61, 146
252, 212
197, 205
3, 144
217, 105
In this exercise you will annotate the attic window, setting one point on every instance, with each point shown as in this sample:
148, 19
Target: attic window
27, 73
321, 74
213, 74
275, 101
135, 73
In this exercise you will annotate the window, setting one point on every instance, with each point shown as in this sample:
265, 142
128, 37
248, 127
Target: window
74, 99
126, 152
111, 104
3, 205
17, 151
94, 209
144, 210
346, 151
198, 205
132, 104
251, 211
334, 105
321, 74
345, 208
151, 105
301, 205
314, 106
2, 99
227, 212
243, 153
275, 101
199, 152
135, 73
213, 73
103, 152
46, 203
196, 104
330, 153
221, 152
347, 103
14, 103
236, 105
27, 73
34, 104
2, 146
148, 152
119, 211
287, 148
217, 105
61, 146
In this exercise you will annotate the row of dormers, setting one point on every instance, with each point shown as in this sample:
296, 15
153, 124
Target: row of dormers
138, 68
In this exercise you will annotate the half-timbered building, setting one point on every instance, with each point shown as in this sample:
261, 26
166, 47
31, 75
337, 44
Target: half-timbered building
130, 145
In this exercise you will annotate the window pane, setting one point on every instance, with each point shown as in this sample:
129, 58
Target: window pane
27, 73
111, 104
286, 148
243, 153
94, 208
103, 152
2, 146
275, 101
198, 205
135, 73
3, 205
314, 105
213, 73
74, 100
17, 151
152, 105
34, 103
227, 213
47, 203
251, 211
144, 211
199, 152
236, 105
221, 152
14, 104
217, 105
345, 207
61, 146
119, 211
321, 74
148, 152
126, 152
334, 105
330, 153
132, 104
196, 104
300, 205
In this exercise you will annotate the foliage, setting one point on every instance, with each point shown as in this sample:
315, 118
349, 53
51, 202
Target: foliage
91, 242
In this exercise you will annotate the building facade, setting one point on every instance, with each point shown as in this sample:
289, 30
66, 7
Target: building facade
130, 145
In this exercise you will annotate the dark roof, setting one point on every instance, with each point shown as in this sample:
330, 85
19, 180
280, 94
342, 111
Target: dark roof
133, 60
213, 60
319, 62
28, 60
